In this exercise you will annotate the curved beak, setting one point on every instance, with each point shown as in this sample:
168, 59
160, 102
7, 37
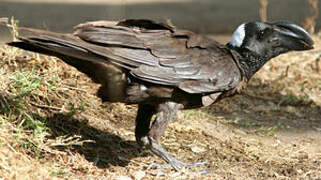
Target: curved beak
293, 36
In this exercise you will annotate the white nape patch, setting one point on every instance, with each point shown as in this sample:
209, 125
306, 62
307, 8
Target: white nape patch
238, 36
142, 87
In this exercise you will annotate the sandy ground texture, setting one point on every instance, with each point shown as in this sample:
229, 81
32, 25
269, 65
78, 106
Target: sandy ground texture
52, 126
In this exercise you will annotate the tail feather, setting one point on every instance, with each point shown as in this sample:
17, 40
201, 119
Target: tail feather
62, 45
88, 59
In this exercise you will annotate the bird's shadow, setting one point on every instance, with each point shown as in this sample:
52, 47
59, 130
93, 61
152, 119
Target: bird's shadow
105, 150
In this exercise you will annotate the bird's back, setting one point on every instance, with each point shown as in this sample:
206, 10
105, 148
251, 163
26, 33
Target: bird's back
120, 54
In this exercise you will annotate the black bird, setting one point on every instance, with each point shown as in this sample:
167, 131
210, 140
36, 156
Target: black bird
164, 69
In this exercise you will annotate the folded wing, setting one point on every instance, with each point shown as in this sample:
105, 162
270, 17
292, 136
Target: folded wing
166, 55
152, 52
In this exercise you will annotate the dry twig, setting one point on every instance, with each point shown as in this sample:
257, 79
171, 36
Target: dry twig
263, 10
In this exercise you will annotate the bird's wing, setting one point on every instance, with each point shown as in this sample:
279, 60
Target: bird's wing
161, 54
152, 52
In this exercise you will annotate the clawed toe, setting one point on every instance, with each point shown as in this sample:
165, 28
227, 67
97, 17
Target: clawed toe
180, 167
196, 164
177, 165
159, 166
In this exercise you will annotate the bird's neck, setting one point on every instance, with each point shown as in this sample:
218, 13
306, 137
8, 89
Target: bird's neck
249, 62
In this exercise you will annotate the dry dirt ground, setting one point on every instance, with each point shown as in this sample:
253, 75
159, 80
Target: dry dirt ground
52, 126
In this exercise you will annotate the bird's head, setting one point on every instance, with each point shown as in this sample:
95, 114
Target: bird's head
258, 42
270, 39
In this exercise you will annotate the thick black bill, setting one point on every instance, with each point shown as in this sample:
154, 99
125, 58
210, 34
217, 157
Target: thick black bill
294, 37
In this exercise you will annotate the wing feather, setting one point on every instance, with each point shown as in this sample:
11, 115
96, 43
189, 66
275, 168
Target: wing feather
167, 55
152, 52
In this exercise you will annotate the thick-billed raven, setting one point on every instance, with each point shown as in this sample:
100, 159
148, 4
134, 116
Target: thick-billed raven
164, 69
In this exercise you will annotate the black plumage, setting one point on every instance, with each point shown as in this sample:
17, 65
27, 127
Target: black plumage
162, 68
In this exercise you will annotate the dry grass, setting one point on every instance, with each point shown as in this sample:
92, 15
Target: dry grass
52, 126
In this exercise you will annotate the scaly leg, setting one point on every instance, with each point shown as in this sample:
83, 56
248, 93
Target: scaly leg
165, 113
150, 137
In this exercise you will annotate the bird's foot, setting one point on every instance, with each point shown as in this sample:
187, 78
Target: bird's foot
177, 165
196, 164
155, 165
180, 167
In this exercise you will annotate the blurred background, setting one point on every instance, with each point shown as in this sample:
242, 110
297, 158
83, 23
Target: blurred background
202, 16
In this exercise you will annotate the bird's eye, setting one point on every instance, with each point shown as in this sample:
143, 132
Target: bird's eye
263, 33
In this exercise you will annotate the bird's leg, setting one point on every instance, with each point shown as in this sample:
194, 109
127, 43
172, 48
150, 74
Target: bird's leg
150, 137
143, 118
165, 113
